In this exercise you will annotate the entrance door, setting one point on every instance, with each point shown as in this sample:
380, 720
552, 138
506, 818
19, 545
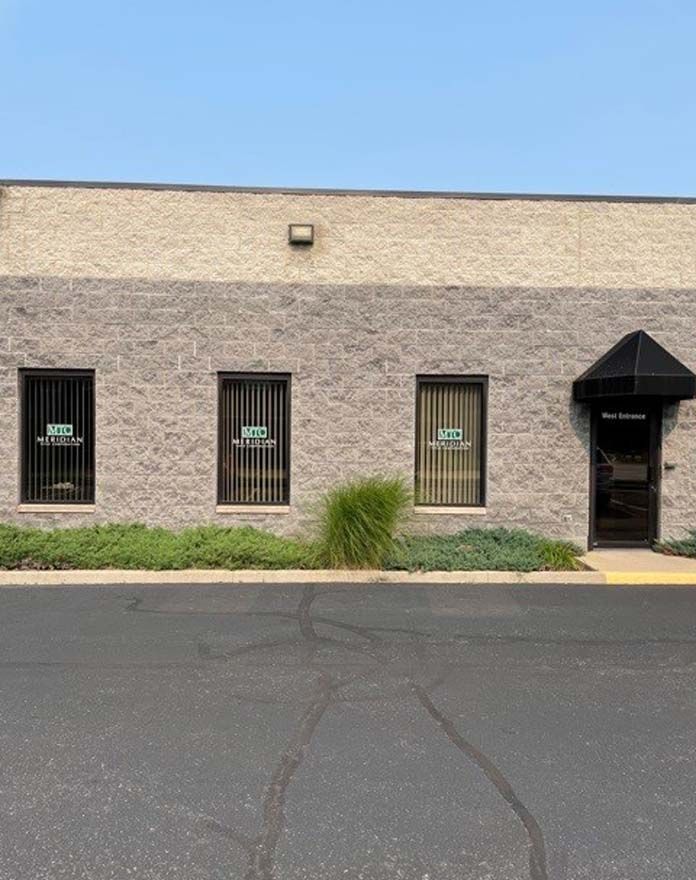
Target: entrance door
625, 474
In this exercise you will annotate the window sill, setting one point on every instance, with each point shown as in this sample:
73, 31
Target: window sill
451, 511
56, 508
261, 509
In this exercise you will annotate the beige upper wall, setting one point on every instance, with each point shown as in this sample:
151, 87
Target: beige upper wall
88, 232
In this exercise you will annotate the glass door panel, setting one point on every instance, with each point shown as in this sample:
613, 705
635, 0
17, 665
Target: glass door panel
623, 475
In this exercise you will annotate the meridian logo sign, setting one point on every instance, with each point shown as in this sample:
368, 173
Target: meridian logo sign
59, 430
254, 432
450, 438
254, 435
449, 433
59, 435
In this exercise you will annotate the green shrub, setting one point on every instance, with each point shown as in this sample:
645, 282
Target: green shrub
483, 550
358, 521
137, 546
679, 547
357, 529
244, 547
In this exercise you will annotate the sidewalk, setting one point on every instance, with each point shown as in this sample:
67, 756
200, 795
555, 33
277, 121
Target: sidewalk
640, 566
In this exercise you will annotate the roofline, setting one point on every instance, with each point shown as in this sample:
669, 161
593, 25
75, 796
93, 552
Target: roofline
381, 193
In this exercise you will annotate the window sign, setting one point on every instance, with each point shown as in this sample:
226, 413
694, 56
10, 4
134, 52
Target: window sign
254, 432
624, 416
449, 433
57, 437
254, 440
59, 430
450, 450
450, 438
254, 435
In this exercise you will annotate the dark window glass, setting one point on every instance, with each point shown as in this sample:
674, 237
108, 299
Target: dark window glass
623, 473
450, 442
57, 437
254, 440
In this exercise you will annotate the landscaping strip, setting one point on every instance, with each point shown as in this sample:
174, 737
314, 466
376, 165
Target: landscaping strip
138, 547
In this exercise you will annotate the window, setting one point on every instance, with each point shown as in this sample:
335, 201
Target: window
254, 439
451, 441
57, 437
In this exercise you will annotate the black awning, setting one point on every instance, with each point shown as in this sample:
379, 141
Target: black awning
637, 366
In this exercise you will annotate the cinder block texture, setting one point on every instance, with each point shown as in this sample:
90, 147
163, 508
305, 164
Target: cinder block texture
157, 290
354, 351
88, 232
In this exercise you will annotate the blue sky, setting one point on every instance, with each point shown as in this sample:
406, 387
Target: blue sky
500, 96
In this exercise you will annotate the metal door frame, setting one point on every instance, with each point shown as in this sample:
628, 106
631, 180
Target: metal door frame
654, 409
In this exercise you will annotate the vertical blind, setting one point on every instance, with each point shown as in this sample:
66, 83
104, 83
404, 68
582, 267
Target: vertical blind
58, 438
254, 440
449, 443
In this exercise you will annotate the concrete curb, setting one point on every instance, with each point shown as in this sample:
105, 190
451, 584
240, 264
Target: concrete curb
217, 576
197, 576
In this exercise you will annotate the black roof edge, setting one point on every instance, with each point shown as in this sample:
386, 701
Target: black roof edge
383, 193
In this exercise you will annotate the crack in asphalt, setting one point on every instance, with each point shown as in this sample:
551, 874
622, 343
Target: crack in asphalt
306, 621
90, 665
330, 662
537, 849
243, 840
262, 855
304, 617
262, 849
135, 604
590, 643
329, 621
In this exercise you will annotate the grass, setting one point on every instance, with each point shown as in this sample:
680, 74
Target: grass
157, 549
358, 521
483, 550
679, 547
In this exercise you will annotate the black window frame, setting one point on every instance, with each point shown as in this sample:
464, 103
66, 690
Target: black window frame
58, 373
455, 379
224, 376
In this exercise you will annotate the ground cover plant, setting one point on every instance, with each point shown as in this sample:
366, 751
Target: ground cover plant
137, 546
679, 547
157, 549
483, 550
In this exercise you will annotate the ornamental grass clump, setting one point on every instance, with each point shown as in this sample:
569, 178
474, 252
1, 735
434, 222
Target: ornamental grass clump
358, 522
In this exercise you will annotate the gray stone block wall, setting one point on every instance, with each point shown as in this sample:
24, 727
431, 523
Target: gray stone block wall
354, 353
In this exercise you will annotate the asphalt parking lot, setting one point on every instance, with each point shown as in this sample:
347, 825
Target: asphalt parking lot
347, 731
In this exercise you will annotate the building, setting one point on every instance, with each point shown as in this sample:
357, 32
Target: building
168, 355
